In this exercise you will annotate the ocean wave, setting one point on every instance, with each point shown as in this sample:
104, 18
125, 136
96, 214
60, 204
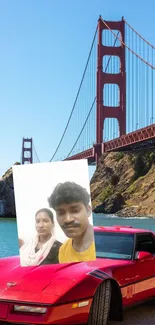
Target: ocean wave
133, 218
113, 216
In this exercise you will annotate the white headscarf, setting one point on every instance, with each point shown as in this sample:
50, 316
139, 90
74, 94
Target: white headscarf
28, 256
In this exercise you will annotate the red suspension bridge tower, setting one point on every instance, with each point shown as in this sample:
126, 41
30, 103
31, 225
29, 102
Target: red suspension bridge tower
28, 150
103, 78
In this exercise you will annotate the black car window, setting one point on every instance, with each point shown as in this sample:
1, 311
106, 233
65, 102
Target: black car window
145, 243
114, 245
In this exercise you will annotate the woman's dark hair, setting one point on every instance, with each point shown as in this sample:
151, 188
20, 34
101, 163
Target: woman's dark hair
49, 212
68, 192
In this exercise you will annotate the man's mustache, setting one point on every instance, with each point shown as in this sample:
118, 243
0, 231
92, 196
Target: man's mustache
71, 225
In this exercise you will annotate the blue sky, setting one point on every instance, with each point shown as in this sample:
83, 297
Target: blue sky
43, 50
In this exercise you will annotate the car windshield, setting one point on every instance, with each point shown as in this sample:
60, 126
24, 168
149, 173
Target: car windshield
114, 245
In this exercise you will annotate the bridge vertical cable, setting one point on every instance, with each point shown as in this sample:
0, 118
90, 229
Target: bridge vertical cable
35, 155
110, 65
140, 72
80, 111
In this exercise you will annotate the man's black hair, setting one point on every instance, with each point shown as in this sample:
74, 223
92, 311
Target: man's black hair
68, 192
49, 212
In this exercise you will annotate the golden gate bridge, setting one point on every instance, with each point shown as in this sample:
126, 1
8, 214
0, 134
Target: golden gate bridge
114, 109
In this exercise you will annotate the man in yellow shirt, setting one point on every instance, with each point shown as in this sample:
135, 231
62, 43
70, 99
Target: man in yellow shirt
71, 203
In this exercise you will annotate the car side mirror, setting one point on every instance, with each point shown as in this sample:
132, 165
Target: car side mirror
142, 255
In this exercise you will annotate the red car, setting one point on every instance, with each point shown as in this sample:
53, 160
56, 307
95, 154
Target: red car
82, 293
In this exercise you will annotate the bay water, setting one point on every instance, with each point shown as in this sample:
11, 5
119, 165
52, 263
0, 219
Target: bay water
9, 240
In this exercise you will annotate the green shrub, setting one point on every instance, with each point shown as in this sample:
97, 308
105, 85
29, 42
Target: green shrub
152, 157
142, 163
131, 188
119, 156
108, 191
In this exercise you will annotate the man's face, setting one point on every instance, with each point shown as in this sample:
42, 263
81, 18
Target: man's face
73, 218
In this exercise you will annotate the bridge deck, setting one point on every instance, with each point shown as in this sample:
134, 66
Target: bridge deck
138, 139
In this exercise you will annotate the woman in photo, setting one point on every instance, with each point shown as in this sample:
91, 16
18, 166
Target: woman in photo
44, 248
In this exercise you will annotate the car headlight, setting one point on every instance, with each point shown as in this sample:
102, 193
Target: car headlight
30, 309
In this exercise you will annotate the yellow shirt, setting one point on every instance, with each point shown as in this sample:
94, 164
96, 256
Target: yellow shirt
67, 253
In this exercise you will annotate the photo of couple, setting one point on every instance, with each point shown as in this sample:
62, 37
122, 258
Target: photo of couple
71, 206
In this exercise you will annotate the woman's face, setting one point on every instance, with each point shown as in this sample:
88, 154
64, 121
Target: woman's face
43, 224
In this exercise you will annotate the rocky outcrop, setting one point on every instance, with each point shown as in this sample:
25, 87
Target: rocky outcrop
7, 201
112, 204
124, 184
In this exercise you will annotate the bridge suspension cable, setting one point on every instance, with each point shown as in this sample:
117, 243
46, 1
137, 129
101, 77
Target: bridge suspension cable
139, 80
35, 152
83, 127
133, 52
76, 95
85, 122
139, 34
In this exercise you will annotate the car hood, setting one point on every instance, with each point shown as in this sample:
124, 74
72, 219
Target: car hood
29, 278
48, 279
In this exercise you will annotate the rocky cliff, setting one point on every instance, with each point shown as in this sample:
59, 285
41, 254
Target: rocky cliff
7, 201
124, 184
